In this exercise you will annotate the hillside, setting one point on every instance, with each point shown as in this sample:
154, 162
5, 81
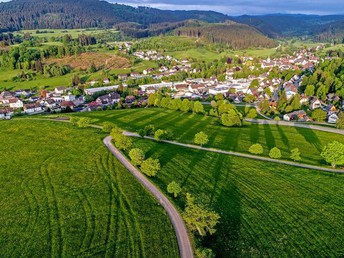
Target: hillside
234, 35
289, 25
61, 14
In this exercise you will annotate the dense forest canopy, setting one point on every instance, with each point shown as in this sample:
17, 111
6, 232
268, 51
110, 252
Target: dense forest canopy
233, 35
64, 14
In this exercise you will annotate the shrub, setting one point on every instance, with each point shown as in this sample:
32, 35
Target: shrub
252, 113
107, 127
295, 154
275, 153
83, 122
174, 188
149, 130
256, 149
201, 138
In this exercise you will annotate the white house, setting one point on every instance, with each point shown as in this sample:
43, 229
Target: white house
60, 90
91, 91
16, 103
33, 109
220, 89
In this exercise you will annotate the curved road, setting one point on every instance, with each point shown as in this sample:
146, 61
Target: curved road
243, 155
184, 243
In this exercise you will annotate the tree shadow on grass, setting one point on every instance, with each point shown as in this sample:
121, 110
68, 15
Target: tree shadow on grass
269, 137
254, 133
283, 136
310, 137
225, 242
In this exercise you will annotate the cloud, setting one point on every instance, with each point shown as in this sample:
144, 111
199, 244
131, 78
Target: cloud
239, 7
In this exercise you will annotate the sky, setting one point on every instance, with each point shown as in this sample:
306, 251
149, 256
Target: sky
240, 7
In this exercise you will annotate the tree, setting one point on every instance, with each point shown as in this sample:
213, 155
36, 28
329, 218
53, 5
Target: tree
121, 141
204, 253
150, 167
219, 96
160, 135
252, 113
149, 130
185, 107
201, 138
319, 115
76, 80
137, 156
198, 218
232, 118
340, 121
174, 188
295, 154
256, 149
310, 90
107, 127
83, 122
333, 153
275, 153
198, 108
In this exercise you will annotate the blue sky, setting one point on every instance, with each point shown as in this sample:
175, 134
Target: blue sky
239, 7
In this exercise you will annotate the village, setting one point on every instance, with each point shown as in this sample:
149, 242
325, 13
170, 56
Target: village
253, 89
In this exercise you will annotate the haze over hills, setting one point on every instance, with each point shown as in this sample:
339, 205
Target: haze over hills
289, 25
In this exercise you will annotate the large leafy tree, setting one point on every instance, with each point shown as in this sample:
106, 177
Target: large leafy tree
198, 218
150, 167
333, 153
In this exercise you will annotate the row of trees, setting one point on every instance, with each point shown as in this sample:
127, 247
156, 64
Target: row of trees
274, 153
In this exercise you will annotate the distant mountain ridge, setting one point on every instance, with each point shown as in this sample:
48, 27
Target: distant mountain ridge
66, 14
290, 25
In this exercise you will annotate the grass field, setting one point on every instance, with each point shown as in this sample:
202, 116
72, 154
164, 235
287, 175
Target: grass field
267, 210
61, 32
62, 194
185, 126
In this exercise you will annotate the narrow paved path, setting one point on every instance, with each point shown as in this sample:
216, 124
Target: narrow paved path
180, 229
243, 155
295, 124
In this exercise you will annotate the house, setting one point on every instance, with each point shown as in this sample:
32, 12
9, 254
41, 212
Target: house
109, 99
94, 105
299, 115
60, 90
122, 77
15, 103
65, 105
91, 91
316, 103
150, 90
69, 97
6, 95
331, 109
129, 99
106, 81
135, 75
6, 113
32, 109
332, 119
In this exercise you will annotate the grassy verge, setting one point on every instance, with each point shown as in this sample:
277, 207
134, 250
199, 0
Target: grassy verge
267, 210
63, 194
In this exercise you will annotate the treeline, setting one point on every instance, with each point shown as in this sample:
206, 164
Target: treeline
64, 14
327, 78
32, 58
166, 43
235, 36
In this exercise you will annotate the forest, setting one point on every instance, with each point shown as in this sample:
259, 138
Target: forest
233, 35
61, 14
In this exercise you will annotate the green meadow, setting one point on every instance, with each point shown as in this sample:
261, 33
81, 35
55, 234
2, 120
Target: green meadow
62, 194
266, 209
185, 126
